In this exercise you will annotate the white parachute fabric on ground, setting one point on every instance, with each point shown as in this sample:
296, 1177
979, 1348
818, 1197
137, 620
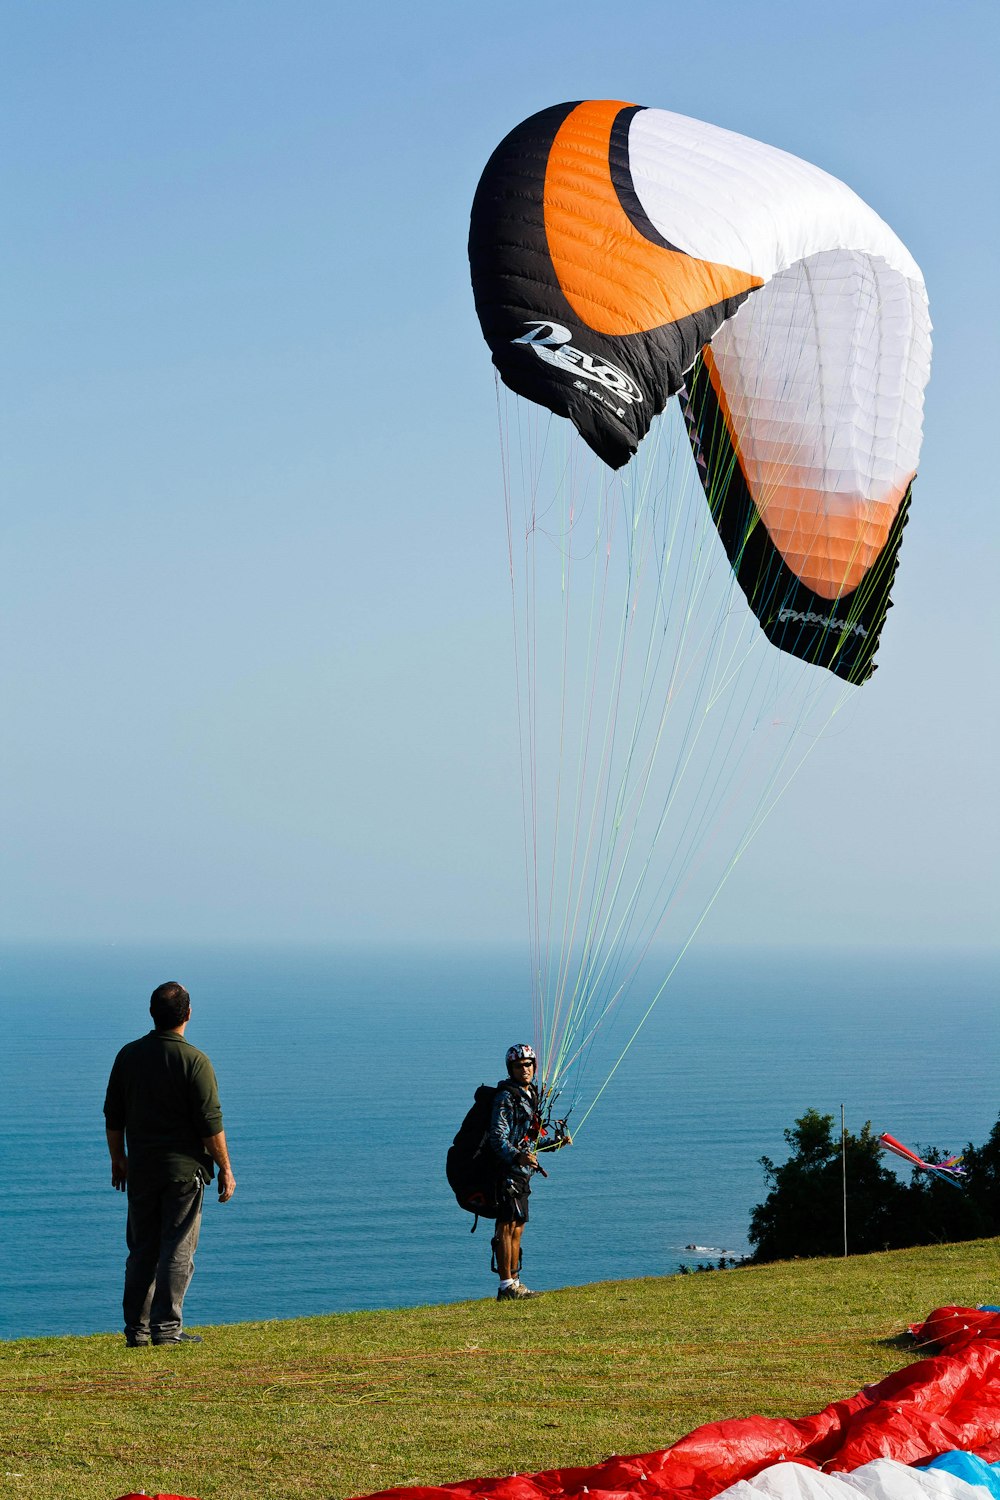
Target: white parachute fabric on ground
882, 1479
790, 1481
970, 1467
886, 1479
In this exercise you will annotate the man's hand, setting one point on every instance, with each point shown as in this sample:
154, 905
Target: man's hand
217, 1149
119, 1161
529, 1159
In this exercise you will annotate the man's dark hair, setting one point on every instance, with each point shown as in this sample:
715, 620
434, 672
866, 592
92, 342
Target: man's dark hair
169, 1005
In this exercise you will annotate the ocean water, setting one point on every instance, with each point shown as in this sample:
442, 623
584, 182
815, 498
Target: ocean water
345, 1073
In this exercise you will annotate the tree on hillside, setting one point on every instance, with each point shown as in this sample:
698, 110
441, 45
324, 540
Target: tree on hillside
937, 1214
803, 1214
983, 1166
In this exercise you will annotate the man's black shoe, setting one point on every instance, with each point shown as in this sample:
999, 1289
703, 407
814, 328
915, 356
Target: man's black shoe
182, 1338
131, 1342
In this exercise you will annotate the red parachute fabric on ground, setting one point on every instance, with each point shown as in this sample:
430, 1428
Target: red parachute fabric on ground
954, 1327
951, 1400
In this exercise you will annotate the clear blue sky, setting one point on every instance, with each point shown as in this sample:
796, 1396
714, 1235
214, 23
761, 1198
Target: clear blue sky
256, 676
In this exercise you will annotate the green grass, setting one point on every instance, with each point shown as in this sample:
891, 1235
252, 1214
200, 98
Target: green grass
340, 1406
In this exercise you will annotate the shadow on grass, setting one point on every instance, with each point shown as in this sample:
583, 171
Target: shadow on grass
902, 1341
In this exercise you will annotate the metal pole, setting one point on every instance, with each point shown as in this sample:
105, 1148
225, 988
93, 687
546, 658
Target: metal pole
843, 1169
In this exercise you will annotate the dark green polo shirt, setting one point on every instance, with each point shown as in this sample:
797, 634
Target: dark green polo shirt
162, 1092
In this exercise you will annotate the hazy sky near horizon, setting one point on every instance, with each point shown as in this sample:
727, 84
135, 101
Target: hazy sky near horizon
256, 673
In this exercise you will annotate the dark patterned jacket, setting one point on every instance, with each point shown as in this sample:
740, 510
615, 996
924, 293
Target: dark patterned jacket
514, 1110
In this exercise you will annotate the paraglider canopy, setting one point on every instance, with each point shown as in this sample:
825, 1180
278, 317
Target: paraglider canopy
621, 255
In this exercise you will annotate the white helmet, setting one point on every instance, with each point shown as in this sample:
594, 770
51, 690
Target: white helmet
521, 1053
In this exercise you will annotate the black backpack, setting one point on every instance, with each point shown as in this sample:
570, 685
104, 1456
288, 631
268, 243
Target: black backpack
471, 1167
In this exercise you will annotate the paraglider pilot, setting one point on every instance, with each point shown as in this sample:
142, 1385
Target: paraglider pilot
513, 1137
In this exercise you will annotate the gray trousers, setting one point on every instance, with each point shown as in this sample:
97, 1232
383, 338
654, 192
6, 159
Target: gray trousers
162, 1234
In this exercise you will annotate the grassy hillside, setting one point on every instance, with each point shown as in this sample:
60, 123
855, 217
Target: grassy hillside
340, 1406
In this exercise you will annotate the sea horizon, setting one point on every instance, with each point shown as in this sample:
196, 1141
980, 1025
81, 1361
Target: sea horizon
345, 1070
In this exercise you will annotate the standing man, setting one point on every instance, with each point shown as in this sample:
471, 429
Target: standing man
165, 1136
512, 1138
